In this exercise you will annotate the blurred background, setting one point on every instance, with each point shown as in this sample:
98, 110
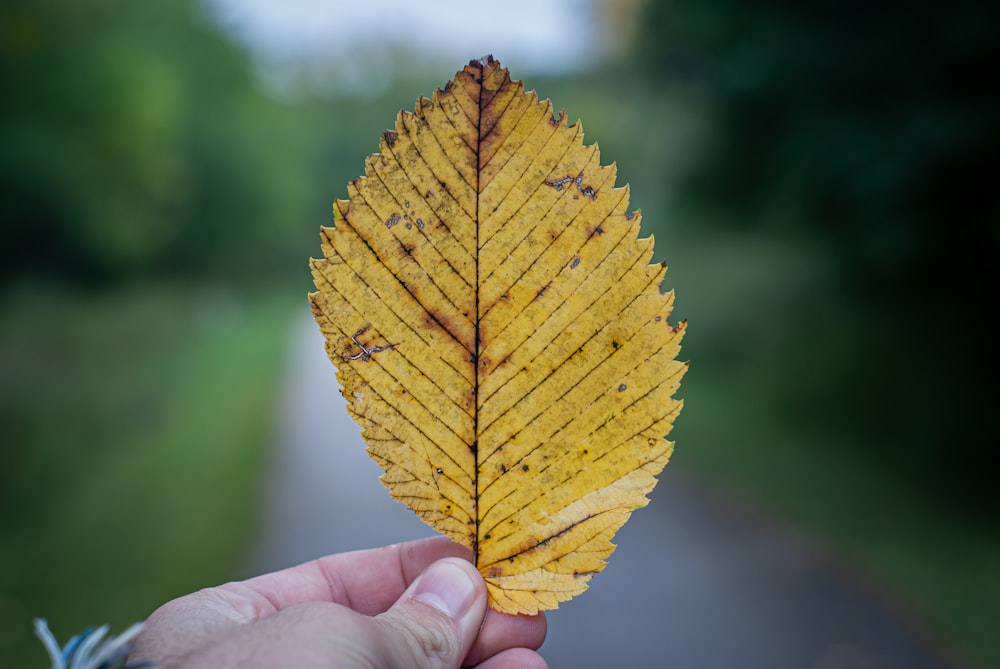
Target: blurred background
816, 174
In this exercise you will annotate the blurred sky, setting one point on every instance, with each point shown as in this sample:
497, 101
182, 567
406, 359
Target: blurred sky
359, 39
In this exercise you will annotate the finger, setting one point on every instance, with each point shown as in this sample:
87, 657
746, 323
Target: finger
435, 623
514, 658
501, 632
367, 581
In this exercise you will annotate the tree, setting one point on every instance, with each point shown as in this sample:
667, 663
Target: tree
135, 139
870, 125
872, 129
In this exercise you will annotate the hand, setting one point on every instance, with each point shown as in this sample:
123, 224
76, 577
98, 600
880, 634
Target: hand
417, 604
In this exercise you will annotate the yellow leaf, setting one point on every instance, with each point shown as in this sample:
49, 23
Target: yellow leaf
500, 335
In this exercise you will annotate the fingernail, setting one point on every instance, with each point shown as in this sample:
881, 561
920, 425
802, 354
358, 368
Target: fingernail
447, 588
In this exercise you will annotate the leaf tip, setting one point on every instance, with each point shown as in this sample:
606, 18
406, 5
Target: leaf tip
484, 62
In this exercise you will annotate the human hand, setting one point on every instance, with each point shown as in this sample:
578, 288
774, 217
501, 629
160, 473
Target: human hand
380, 608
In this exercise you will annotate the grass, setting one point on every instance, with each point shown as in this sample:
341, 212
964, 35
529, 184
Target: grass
134, 427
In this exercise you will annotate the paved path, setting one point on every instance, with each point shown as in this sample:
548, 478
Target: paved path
694, 583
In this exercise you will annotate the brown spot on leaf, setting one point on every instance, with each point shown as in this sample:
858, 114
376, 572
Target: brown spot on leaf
433, 319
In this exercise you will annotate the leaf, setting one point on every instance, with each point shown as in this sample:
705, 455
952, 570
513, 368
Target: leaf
500, 335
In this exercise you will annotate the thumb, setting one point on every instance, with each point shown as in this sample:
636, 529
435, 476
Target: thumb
436, 621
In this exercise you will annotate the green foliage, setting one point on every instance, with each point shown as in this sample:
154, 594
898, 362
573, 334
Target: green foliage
134, 140
871, 124
135, 428
870, 131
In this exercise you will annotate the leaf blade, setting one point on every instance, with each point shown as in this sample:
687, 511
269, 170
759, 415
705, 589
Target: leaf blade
500, 335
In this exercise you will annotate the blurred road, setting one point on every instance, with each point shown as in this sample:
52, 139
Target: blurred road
694, 583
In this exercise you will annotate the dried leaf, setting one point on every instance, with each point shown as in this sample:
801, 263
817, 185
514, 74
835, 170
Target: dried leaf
500, 335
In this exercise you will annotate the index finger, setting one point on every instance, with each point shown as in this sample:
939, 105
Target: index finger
366, 581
